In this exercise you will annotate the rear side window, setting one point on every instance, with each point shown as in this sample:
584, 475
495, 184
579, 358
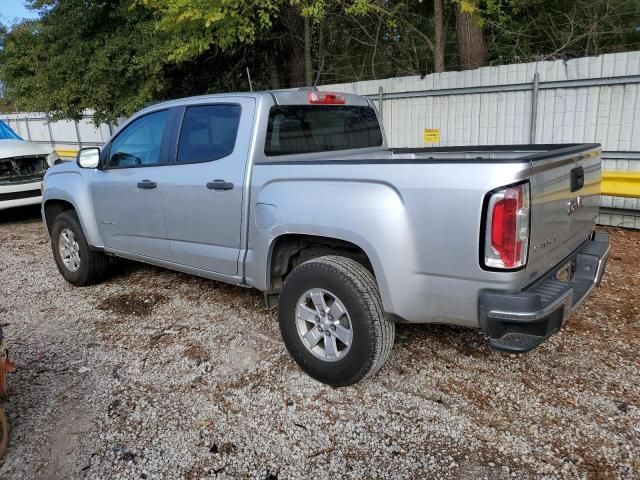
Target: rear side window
320, 128
208, 133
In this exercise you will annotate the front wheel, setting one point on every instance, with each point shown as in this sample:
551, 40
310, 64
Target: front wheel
332, 320
77, 263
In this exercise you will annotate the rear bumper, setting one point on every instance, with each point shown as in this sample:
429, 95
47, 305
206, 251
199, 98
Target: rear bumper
519, 322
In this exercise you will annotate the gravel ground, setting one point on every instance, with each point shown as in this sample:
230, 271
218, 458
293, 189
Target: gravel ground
155, 374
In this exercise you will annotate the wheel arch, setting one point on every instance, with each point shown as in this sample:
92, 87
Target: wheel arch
54, 207
288, 250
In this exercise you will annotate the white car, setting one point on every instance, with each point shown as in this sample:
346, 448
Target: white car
22, 168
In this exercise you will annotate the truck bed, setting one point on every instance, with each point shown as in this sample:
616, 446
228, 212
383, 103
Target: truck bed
461, 154
442, 194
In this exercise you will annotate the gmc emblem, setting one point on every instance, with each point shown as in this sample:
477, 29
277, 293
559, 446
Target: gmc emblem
575, 205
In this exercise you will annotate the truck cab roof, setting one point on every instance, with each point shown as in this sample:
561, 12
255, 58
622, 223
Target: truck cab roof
276, 97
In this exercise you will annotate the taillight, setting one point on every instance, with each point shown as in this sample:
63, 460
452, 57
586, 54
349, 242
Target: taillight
325, 98
507, 228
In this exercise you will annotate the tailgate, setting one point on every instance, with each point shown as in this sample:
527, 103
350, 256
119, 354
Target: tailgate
565, 197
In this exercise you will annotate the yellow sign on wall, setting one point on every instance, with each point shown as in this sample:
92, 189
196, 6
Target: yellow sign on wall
431, 135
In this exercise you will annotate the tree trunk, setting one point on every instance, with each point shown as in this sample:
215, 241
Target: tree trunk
375, 49
320, 60
295, 55
295, 68
471, 43
308, 67
438, 54
274, 79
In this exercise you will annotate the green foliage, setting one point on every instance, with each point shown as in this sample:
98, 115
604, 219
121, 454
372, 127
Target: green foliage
194, 26
525, 30
102, 56
114, 56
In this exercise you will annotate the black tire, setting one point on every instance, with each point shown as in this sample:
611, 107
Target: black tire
93, 265
372, 332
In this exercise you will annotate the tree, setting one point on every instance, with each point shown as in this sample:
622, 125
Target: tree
114, 56
526, 30
295, 45
194, 27
98, 55
395, 13
471, 41
439, 50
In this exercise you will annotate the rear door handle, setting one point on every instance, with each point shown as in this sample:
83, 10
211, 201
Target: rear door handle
147, 184
219, 185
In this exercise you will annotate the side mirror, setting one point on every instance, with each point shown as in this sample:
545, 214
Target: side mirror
88, 157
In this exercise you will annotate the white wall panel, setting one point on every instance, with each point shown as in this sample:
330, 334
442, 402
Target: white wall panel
60, 134
607, 114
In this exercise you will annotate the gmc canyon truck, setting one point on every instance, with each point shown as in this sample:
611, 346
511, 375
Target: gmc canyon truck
296, 194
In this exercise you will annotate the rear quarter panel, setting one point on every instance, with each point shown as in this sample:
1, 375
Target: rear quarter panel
418, 223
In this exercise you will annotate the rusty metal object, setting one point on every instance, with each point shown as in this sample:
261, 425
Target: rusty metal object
6, 366
4, 434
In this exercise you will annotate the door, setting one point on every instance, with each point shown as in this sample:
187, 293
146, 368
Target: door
203, 186
127, 191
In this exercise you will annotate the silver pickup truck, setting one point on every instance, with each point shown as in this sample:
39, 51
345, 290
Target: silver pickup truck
297, 194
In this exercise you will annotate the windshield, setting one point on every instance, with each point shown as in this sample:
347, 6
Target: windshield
6, 133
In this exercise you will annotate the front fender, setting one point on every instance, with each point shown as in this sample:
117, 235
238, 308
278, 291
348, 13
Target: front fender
70, 184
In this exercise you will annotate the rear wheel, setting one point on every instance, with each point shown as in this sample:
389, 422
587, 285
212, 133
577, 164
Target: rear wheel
77, 263
332, 321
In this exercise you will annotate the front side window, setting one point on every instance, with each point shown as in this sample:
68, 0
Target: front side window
208, 133
140, 142
296, 129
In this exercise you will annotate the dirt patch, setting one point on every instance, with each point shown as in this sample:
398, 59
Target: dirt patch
617, 303
139, 305
197, 353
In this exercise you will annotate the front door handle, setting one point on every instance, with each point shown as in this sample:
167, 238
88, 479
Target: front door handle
147, 184
219, 185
